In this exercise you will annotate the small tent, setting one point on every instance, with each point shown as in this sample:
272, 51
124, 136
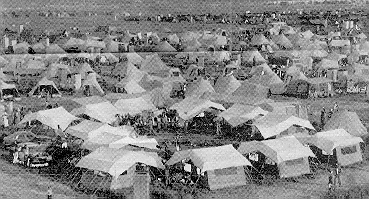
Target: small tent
92, 83
288, 153
164, 47
8, 90
223, 165
226, 84
249, 89
154, 65
46, 84
82, 129
198, 88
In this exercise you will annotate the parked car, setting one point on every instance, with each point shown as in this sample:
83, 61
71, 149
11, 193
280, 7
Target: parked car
38, 157
24, 136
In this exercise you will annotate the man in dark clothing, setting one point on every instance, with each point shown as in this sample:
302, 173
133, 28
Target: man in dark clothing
322, 118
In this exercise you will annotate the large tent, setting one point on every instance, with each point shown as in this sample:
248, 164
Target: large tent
288, 153
253, 56
46, 84
82, 129
240, 113
223, 165
164, 47
339, 142
116, 161
134, 58
347, 120
141, 141
51, 117
276, 124
191, 107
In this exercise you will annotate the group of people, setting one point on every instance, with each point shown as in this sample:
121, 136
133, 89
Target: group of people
155, 123
325, 116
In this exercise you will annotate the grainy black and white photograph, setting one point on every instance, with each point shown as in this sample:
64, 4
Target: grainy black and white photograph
184, 99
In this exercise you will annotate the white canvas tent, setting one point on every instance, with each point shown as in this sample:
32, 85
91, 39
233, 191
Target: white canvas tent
191, 107
347, 120
217, 162
104, 112
276, 124
347, 147
226, 84
240, 113
116, 161
141, 141
82, 129
51, 117
46, 84
288, 153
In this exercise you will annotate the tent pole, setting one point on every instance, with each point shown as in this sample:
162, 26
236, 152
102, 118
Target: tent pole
91, 181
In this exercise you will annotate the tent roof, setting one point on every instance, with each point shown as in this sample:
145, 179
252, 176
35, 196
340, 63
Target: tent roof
241, 99
329, 140
240, 113
4, 85
51, 117
250, 89
273, 124
141, 141
134, 106
226, 84
82, 129
116, 161
249, 56
134, 58
282, 41
190, 107
54, 49
133, 87
91, 80
279, 150
347, 120
153, 64
198, 88
211, 158
259, 40
165, 47
104, 112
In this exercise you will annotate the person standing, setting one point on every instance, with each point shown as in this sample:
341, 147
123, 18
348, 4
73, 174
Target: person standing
337, 174
5, 120
49, 193
322, 118
335, 107
17, 117
330, 181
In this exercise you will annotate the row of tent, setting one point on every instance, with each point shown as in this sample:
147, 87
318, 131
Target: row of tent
224, 165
